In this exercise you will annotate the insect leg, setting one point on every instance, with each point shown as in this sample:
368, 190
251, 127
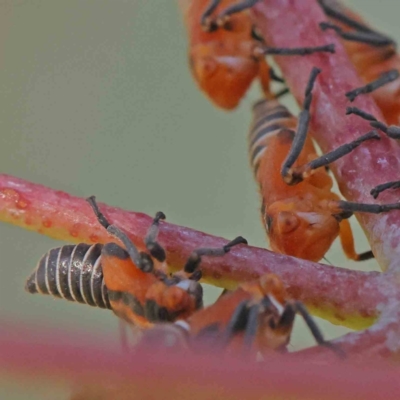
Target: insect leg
265, 78
152, 245
251, 326
299, 307
297, 51
205, 20
141, 260
343, 209
267, 74
384, 79
297, 174
195, 258
371, 38
392, 131
237, 322
286, 319
384, 186
302, 127
347, 242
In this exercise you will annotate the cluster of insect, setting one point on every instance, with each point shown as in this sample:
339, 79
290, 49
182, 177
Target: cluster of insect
301, 214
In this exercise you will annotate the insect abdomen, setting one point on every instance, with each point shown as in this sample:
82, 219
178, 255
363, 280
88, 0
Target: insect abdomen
269, 117
71, 272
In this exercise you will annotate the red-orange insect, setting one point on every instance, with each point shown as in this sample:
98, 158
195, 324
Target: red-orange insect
225, 55
122, 278
373, 55
301, 220
256, 317
223, 61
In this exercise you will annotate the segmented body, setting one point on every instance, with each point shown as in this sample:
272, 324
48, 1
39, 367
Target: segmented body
72, 272
105, 277
299, 219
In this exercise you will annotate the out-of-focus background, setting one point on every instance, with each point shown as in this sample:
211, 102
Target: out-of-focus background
97, 98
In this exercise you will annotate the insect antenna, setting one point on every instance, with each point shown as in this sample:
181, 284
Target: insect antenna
141, 260
392, 131
377, 190
384, 79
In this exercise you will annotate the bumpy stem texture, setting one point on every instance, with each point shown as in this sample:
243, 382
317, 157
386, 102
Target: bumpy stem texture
345, 297
293, 23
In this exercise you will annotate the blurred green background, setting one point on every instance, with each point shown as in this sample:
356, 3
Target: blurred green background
97, 98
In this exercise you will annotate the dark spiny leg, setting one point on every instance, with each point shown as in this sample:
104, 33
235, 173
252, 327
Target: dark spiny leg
297, 51
302, 127
141, 260
273, 75
299, 307
384, 79
297, 174
370, 38
251, 326
237, 322
152, 245
384, 186
286, 319
195, 258
339, 16
392, 131
223, 16
99, 215
206, 22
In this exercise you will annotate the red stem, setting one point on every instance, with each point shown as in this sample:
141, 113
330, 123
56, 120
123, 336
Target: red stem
369, 165
288, 23
343, 296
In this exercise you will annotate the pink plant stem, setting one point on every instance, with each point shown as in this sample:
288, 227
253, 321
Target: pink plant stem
288, 23
292, 23
379, 341
173, 375
345, 297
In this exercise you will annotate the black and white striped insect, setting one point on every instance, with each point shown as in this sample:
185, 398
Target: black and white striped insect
71, 272
135, 285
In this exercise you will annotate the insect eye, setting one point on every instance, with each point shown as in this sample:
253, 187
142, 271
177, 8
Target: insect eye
268, 223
